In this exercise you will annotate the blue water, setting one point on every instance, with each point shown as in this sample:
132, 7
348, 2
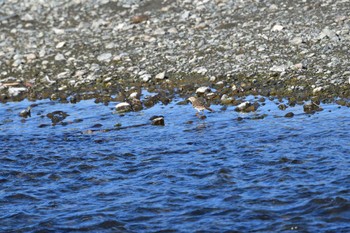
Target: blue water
273, 174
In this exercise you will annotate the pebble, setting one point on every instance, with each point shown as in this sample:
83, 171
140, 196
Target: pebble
123, 107
280, 68
15, 91
136, 104
202, 90
311, 107
145, 77
317, 90
59, 57
104, 57
200, 70
277, 27
282, 107
31, 57
243, 106
134, 95
297, 40
139, 18
328, 33
160, 76
289, 115
60, 45
158, 120
225, 99
26, 112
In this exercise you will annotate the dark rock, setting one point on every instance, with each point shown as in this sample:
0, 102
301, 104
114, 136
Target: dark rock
26, 112
289, 115
136, 104
57, 116
282, 106
123, 107
247, 107
157, 120
312, 107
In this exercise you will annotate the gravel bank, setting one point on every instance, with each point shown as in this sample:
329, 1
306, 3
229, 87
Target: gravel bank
99, 48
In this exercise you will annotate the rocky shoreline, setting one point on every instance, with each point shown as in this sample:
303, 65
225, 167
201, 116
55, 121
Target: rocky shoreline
109, 49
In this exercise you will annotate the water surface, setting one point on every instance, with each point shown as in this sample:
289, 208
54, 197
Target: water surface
259, 174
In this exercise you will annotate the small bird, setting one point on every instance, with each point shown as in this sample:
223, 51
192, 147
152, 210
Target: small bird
198, 105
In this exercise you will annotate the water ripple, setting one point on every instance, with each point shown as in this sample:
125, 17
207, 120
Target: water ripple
215, 175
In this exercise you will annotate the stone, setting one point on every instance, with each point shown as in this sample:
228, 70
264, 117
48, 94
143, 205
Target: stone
160, 76
311, 107
280, 69
297, 41
159, 32
58, 31
282, 107
134, 95
157, 120
247, 107
210, 95
298, 66
136, 105
57, 117
104, 57
172, 30
327, 33
277, 28
18, 62
226, 100
60, 44
243, 106
31, 57
123, 107
59, 57
27, 17
289, 115
139, 18
26, 112
15, 91
200, 70
202, 90
145, 77
317, 90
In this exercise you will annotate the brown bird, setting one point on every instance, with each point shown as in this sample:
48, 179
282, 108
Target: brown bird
198, 105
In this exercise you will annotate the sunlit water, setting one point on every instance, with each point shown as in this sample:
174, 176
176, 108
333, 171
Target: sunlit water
220, 174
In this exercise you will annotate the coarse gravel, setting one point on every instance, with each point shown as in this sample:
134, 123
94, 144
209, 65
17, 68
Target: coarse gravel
101, 48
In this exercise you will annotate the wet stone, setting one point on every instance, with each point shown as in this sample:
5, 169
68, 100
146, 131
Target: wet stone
202, 90
136, 105
311, 107
123, 107
282, 107
57, 116
26, 112
157, 120
289, 115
